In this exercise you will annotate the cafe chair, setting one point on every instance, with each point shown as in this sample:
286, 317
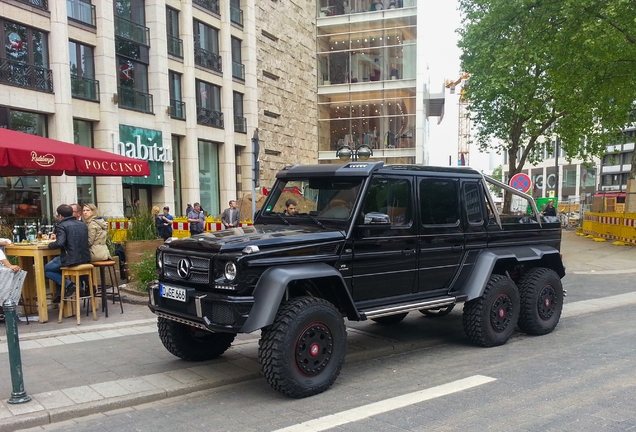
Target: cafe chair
74, 274
104, 267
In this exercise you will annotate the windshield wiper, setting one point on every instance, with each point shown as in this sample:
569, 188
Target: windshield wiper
313, 219
281, 216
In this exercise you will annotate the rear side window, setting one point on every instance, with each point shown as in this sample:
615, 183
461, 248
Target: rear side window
439, 202
472, 201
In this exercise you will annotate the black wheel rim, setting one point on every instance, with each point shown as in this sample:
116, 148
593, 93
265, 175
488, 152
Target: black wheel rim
314, 348
501, 313
547, 302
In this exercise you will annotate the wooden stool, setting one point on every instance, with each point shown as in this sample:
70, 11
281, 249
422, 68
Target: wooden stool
76, 272
114, 284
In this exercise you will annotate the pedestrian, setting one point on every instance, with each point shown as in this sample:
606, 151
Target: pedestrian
71, 236
188, 209
77, 211
550, 210
231, 216
97, 233
196, 220
165, 231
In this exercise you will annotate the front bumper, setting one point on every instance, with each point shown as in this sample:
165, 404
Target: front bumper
214, 312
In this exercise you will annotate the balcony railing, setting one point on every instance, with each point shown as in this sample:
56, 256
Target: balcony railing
238, 71
135, 100
207, 59
175, 46
25, 75
132, 31
240, 124
81, 11
84, 88
211, 5
40, 4
177, 109
236, 15
208, 117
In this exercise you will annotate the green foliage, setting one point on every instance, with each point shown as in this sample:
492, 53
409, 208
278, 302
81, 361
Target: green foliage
144, 271
540, 69
497, 174
142, 226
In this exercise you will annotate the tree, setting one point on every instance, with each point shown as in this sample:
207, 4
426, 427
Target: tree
548, 68
497, 174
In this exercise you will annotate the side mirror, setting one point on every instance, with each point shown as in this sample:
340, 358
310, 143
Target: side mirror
376, 218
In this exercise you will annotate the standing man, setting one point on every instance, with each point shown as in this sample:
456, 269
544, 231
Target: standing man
77, 211
166, 229
550, 210
71, 236
196, 219
231, 216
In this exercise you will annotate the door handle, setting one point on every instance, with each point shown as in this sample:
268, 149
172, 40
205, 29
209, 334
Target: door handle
408, 251
457, 248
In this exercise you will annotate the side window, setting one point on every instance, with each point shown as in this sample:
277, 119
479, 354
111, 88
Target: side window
439, 202
391, 197
472, 202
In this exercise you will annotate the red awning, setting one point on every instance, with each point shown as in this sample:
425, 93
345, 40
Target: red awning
25, 154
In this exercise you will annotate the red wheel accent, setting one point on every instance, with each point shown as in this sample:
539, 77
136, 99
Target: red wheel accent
313, 349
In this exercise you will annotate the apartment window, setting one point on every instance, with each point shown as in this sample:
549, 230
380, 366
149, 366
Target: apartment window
83, 83
82, 11
236, 14
206, 46
177, 107
175, 45
209, 104
238, 69
83, 135
133, 85
240, 122
24, 57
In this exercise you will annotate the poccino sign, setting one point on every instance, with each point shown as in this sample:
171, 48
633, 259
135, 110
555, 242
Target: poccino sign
144, 144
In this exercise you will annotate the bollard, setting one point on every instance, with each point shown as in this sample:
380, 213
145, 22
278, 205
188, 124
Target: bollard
18, 395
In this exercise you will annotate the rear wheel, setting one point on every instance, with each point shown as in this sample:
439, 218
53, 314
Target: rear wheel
437, 312
390, 319
302, 352
190, 343
490, 319
541, 294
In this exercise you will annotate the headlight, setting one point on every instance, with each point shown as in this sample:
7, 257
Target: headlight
160, 260
230, 271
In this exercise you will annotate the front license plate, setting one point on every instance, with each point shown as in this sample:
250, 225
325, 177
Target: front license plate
173, 293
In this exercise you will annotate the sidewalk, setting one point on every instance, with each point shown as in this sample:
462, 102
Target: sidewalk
72, 371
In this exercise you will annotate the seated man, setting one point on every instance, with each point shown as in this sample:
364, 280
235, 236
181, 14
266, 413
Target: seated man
290, 207
71, 236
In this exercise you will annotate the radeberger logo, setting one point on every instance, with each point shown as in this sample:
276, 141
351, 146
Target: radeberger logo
46, 160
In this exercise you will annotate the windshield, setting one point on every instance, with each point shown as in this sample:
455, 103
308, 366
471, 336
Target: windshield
323, 198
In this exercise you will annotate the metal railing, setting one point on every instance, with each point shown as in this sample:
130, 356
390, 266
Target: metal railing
26, 75
211, 5
40, 4
175, 46
238, 71
208, 117
81, 11
240, 124
236, 15
132, 31
177, 109
207, 59
135, 100
84, 88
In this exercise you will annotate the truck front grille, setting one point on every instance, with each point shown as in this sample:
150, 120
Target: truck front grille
199, 268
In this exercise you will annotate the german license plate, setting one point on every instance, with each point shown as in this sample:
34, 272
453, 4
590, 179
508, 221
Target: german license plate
173, 293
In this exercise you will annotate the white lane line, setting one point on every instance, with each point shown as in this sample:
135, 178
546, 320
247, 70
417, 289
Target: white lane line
602, 272
599, 304
366, 411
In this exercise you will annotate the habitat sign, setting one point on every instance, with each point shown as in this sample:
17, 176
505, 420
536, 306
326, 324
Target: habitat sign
144, 144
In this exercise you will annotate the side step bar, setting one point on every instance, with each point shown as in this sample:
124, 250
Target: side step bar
407, 307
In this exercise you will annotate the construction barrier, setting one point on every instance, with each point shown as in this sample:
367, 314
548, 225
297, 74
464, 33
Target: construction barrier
614, 226
180, 227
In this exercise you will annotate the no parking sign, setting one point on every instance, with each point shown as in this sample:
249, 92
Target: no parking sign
521, 182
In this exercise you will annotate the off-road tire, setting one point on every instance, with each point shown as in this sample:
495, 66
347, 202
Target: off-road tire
490, 319
390, 319
541, 294
437, 312
190, 343
302, 352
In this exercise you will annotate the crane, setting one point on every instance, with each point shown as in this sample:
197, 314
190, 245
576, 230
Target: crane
463, 125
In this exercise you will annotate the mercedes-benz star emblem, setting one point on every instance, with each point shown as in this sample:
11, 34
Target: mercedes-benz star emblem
183, 268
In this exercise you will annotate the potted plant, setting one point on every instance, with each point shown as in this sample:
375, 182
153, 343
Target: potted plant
141, 237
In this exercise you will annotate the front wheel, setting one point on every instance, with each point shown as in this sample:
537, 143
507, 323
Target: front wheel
541, 301
190, 343
302, 352
489, 320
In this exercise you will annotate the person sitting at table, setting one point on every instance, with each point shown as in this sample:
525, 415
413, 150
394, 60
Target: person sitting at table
71, 236
3, 258
97, 233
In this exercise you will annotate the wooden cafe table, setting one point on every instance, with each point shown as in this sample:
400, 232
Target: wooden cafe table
32, 258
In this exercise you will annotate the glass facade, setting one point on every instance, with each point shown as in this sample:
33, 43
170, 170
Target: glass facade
83, 135
209, 177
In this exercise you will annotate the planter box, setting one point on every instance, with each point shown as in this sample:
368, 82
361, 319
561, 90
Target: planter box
135, 250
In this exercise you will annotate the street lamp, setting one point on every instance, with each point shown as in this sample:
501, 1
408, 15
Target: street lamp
362, 152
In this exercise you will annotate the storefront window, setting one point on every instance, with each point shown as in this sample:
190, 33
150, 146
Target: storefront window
176, 177
209, 177
83, 135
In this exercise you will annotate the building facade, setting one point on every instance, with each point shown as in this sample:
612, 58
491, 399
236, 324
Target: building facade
182, 84
616, 166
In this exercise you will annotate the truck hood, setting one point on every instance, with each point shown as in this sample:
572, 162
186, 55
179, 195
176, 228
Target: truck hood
263, 236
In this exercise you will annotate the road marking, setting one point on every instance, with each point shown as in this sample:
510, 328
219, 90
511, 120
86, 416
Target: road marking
366, 411
602, 272
598, 304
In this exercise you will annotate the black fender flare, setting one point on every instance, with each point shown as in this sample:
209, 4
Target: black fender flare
272, 285
487, 259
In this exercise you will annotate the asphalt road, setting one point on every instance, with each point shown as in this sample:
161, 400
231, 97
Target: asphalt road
578, 378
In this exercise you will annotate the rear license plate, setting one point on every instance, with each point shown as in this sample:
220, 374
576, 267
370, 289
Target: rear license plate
173, 293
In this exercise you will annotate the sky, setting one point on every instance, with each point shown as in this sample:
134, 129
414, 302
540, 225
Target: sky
444, 64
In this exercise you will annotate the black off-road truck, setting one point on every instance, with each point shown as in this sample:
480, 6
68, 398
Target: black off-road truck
369, 241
